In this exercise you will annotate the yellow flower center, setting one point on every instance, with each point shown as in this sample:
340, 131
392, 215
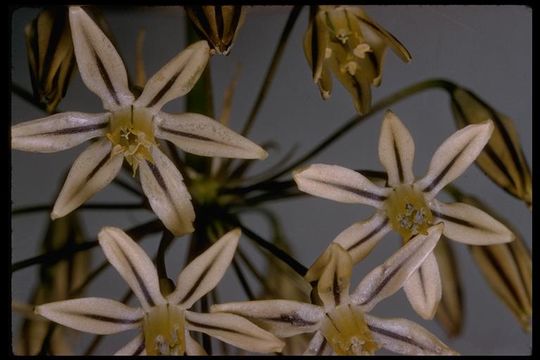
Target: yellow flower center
132, 134
163, 330
347, 332
408, 212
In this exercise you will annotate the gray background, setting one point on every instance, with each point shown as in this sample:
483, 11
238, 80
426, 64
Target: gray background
488, 49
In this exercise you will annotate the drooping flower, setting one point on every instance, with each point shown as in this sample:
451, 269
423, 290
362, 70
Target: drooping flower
130, 128
341, 323
408, 206
165, 322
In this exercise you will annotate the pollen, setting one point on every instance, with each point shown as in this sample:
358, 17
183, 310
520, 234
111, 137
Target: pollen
164, 327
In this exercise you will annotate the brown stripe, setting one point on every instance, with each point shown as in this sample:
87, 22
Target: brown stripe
362, 193
212, 327
422, 286
75, 130
314, 44
322, 347
195, 137
398, 161
292, 319
140, 348
370, 235
166, 87
457, 220
196, 284
110, 319
218, 14
158, 177
98, 167
396, 336
336, 289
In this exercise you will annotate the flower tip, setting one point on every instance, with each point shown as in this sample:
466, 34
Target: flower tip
262, 154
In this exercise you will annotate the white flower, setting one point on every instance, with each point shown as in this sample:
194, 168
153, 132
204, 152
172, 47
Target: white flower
165, 322
407, 205
130, 127
341, 324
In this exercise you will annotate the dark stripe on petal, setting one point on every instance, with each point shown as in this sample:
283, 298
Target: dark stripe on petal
212, 327
110, 319
196, 284
219, 21
422, 286
456, 220
292, 319
398, 162
336, 290
397, 337
370, 235
195, 137
165, 88
140, 348
322, 347
362, 193
75, 130
314, 45
157, 176
98, 167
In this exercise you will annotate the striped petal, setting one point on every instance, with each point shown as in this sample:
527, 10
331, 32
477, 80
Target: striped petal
193, 348
339, 184
93, 315
396, 150
133, 348
205, 271
234, 330
201, 135
100, 66
424, 289
315, 44
454, 156
135, 267
176, 78
318, 346
283, 318
389, 277
92, 171
164, 187
58, 132
361, 237
470, 225
406, 337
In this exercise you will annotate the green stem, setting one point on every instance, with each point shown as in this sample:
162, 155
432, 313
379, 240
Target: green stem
166, 240
98, 206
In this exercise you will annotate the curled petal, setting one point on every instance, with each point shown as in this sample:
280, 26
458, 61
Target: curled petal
396, 150
164, 187
454, 156
205, 271
339, 184
93, 315
470, 225
388, 278
176, 78
406, 337
424, 289
100, 66
133, 348
234, 330
94, 169
58, 132
136, 268
282, 318
201, 135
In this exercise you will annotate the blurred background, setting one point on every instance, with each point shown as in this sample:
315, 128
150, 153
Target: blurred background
487, 49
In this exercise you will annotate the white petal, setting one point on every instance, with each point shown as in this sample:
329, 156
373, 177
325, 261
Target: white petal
361, 237
193, 348
136, 268
99, 64
283, 318
133, 348
406, 337
58, 132
318, 346
470, 225
93, 169
201, 135
388, 278
424, 289
454, 156
93, 315
176, 78
205, 271
339, 184
234, 330
168, 196
396, 150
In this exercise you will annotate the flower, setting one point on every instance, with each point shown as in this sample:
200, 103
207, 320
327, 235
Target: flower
165, 321
345, 41
130, 128
341, 321
407, 205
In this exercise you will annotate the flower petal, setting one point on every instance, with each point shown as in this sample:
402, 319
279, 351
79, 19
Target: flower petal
470, 225
58, 132
424, 289
135, 267
396, 150
93, 315
201, 135
388, 278
234, 330
100, 66
406, 337
282, 318
193, 348
339, 184
93, 169
361, 237
133, 348
318, 346
454, 156
176, 78
164, 187
315, 44
205, 271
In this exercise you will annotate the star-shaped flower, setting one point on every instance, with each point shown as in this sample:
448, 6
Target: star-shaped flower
130, 127
341, 323
408, 206
164, 321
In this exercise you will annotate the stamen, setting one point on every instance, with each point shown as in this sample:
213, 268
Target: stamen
408, 212
164, 330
